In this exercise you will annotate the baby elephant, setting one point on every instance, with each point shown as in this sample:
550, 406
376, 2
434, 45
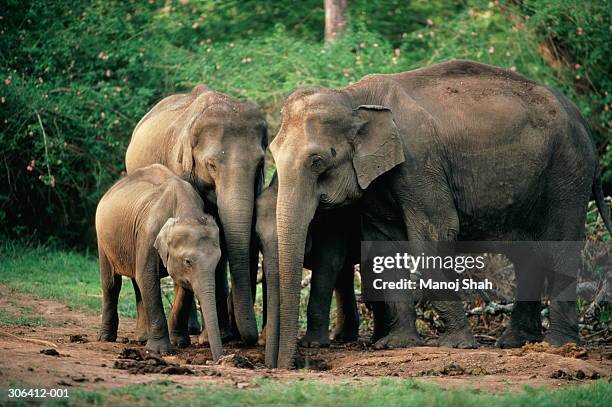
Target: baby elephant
148, 216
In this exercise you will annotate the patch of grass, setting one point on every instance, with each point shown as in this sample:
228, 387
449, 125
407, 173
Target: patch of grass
26, 317
383, 392
66, 276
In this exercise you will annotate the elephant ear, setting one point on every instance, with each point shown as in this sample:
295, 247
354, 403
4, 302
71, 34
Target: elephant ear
185, 151
378, 147
161, 241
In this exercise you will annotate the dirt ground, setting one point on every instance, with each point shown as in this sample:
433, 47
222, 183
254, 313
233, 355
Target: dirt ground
66, 353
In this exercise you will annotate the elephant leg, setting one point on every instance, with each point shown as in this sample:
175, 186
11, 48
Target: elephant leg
179, 316
381, 324
319, 303
458, 333
111, 286
526, 322
193, 324
347, 315
141, 334
562, 310
442, 226
147, 278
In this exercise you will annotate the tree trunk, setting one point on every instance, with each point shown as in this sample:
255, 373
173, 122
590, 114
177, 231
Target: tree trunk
335, 18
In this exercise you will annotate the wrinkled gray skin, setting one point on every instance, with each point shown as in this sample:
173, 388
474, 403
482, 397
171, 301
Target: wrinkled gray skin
458, 150
149, 225
216, 143
332, 250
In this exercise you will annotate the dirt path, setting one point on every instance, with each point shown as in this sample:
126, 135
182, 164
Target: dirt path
85, 363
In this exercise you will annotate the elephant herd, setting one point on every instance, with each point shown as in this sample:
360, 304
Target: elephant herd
458, 151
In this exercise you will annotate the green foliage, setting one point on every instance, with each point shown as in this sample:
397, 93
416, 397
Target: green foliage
77, 76
385, 392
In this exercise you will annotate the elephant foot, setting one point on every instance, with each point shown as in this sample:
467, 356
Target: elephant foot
311, 340
460, 339
106, 336
515, 338
556, 338
261, 341
160, 346
180, 341
397, 340
226, 336
345, 334
141, 336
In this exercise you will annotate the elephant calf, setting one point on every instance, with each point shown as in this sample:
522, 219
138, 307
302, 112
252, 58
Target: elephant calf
332, 249
150, 215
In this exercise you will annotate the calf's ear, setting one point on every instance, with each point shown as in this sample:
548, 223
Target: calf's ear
161, 241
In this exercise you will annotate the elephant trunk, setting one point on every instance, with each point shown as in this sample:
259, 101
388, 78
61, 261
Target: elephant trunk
294, 212
270, 267
236, 214
204, 290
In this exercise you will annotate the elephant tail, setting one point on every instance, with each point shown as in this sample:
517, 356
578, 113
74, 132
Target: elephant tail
599, 200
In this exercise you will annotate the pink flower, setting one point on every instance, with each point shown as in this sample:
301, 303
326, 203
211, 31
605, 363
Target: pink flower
429, 21
577, 66
491, 50
29, 168
102, 56
397, 52
33, 163
513, 68
107, 73
3, 100
8, 81
195, 25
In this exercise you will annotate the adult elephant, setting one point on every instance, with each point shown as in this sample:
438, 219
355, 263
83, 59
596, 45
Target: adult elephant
458, 150
217, 143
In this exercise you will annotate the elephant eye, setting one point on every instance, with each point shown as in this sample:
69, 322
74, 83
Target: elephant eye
187, 262
317, 163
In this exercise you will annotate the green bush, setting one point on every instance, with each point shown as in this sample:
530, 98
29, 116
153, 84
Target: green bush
77, 76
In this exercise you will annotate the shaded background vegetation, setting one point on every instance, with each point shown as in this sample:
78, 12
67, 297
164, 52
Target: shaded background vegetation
77, 76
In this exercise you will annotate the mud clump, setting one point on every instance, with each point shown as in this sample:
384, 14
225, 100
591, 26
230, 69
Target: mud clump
568, 350
78, 338
311, 362
578, 375
50, 352
136, 361
236, 360
454, 369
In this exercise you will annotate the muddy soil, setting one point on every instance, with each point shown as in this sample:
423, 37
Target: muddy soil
65, 353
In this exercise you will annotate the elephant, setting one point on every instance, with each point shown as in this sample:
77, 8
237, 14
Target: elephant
217, 143
332, 249
455, 151
151, 224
